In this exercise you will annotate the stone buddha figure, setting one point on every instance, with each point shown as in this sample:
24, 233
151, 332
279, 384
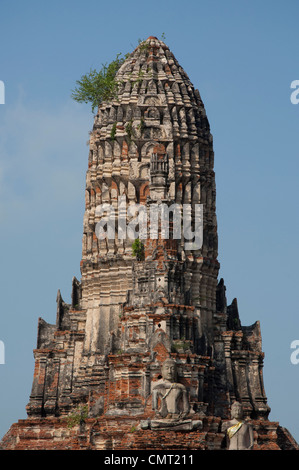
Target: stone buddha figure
170, 402
170, 399
239, 431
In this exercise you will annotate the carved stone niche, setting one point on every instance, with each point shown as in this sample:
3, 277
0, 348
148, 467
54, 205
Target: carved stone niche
170, 402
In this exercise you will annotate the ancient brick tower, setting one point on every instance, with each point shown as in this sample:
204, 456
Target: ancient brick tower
98, 370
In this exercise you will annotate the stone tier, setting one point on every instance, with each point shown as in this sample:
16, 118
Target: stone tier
124, 433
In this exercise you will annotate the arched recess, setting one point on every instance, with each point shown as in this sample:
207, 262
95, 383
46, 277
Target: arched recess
196, 193
152, 113
144, 192
187, 193
148, 149
108, 151
179, 193
112, 115
114, 192
195, 156
144, 171
116, 150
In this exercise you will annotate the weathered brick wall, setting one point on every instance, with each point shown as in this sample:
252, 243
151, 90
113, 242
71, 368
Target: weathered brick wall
123, 433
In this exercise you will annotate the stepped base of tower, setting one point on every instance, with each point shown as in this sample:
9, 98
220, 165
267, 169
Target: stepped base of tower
124, 433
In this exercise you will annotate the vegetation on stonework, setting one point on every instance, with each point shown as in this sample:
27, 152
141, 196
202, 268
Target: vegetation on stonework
130, 130
138, 249
77, 417
133, 429
143, 46
180, 345
98, 86
141, 125
113, 131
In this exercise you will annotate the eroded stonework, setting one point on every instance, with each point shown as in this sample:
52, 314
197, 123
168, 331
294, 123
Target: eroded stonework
151, 145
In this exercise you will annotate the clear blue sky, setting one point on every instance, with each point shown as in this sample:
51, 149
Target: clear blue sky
242, 56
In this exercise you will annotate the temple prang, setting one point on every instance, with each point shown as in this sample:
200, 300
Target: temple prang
149, 354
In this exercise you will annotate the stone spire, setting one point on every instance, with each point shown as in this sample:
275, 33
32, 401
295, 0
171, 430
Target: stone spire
106, 358
157, 113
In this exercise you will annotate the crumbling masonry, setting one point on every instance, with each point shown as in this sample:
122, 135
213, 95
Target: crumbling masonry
97, 366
